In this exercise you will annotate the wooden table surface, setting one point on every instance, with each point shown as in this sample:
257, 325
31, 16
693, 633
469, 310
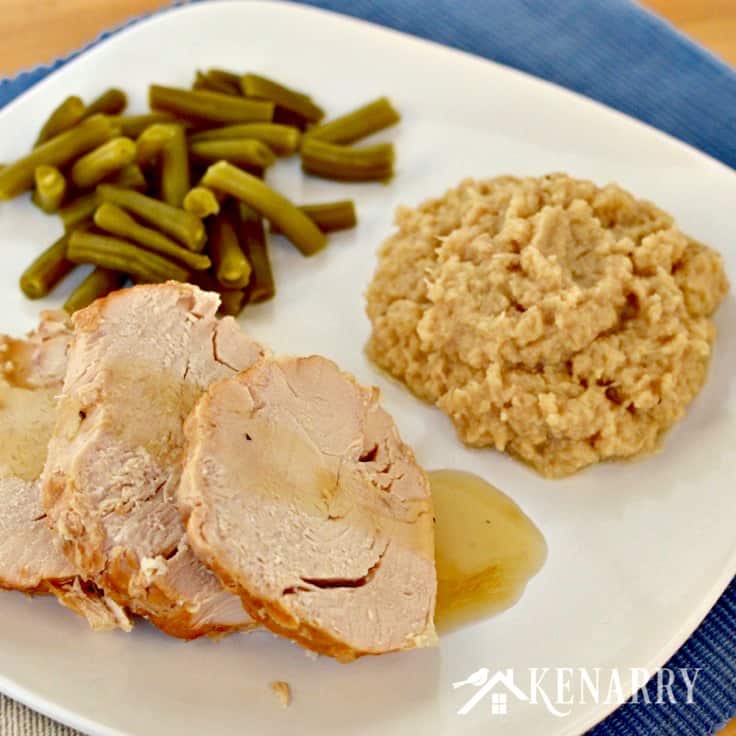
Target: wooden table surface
41, 30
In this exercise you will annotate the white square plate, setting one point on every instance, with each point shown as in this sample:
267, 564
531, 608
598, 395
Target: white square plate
638, 552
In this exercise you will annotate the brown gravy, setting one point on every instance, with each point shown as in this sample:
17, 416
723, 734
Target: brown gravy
486, 549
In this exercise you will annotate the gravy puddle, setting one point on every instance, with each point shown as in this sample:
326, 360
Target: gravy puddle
486, 549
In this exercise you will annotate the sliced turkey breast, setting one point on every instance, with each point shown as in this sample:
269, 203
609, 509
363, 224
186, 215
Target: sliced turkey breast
141, 358
31, 375
301, 495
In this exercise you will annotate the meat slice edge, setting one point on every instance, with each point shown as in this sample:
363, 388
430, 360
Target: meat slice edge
140, 359
300, 494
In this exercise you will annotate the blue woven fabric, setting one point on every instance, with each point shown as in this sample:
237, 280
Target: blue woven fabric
617, 53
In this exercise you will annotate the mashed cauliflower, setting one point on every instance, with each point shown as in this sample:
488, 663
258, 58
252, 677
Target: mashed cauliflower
558, 321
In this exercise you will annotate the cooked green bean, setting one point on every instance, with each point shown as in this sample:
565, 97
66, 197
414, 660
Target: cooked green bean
132, 126
287, 117
241, 152
206, 281
181, 225
213, 83
230, 264
295, 225
99, 283
359, 123
36, 200
65, 116
256, 171
78, 210
130, 177
50, 188
105, 160
111, 102
201, 82
232, 301
201, 202
224, 75
121, 255
152, 140
117, 221
252, 239
210, 106
254, 85
47, 270
331, 216
281, 139
58, 151
222, 135
175, 177
346, 163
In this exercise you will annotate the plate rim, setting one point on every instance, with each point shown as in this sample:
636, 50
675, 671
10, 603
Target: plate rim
53, 710
59, 712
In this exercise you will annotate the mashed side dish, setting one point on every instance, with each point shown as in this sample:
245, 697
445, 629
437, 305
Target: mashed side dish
561, 322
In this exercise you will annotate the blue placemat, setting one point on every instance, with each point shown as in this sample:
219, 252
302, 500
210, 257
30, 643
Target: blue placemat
617, 53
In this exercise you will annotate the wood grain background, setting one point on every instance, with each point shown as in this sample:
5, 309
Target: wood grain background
37, 31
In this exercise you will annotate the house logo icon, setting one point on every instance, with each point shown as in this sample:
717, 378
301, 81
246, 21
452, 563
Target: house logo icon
499, 686
558, 689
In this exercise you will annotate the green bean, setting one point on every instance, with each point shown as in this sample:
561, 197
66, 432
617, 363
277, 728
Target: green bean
36, 200
346, 163
230, 264
241, 152
108, 158
201, 82
182, 226
210, 106
151, 141
121, 255
111, 102
201, 202
132, 126
286, 117
130, 177
175, 177
58, 151
252, 239
99, 283
232, 301
359, 123
50, 188
224, 75
331, 216
117, 221
254, 85
206, 81
256, 171
295, 225
78, 210
206, 281
281, 139
65, 116
47, 270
